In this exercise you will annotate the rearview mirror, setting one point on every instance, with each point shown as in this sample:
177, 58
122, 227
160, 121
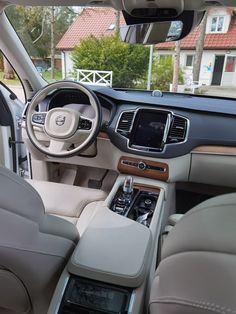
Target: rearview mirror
151, 33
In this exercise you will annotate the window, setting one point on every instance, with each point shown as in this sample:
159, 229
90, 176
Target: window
111, 27
230, 64
9, 78
189, 60
217, 24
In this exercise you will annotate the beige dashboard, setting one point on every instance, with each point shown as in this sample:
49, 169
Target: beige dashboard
205, 164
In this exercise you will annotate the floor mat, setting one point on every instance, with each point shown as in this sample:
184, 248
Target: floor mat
86, 175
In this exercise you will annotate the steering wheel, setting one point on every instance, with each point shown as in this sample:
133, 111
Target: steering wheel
66, 131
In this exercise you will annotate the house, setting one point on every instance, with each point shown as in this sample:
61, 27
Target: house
92, 21
218, 65
219, 56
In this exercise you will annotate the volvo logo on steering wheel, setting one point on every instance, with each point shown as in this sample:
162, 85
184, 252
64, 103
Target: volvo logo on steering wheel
60, 120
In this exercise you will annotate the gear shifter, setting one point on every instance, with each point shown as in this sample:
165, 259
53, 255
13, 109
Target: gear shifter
123, 201
128, 185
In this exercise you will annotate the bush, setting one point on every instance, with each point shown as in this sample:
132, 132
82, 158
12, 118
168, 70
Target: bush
129, 63
162, 74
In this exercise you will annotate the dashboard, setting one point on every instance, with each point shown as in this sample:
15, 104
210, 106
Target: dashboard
170, 126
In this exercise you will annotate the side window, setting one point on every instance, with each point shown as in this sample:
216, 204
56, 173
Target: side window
230, 64
217, 24
189, 60
9, 78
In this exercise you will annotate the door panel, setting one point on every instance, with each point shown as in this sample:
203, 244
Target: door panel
10, 130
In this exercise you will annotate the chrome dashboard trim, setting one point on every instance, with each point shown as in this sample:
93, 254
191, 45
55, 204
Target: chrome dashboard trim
118, 121
131, 303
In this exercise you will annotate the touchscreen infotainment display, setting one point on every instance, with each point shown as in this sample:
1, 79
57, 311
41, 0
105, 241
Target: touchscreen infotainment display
149, 129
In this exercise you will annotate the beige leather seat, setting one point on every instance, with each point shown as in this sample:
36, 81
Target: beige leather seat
197, 273
66, 201
34, 247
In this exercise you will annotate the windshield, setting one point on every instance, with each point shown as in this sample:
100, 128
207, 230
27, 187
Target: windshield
83, 44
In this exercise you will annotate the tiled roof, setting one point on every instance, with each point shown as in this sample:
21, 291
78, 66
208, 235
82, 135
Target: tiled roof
94, 21
212, 41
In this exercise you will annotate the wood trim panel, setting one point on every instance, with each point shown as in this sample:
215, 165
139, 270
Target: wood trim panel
147, 173
215, 150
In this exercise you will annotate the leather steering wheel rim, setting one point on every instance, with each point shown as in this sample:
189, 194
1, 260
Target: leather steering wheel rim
95, 122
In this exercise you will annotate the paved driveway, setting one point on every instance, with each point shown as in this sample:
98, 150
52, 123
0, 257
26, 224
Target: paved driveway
220, 91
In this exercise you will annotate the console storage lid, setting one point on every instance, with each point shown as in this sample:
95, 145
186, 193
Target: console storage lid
113, 249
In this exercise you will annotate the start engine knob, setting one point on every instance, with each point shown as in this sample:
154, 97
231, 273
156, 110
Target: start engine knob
142, 166
148, 202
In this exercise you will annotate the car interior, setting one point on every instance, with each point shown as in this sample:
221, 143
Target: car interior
129, 205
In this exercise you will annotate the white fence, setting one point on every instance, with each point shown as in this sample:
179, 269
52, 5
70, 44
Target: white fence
102, 78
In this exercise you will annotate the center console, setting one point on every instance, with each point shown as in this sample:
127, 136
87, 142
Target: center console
86, 296
108, 270
137, 202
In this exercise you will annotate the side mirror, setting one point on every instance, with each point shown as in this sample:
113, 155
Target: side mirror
152, 33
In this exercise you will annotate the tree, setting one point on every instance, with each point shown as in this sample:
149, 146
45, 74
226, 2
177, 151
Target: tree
199, 49
117, 24
8, 70
129, 63
52, 42
33, 25
1, 62
163, 70
176, 67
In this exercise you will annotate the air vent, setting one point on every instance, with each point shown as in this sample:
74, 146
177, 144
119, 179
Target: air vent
28, 85
125, 123
178, 130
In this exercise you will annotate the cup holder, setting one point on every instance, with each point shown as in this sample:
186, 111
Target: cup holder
143, 208
140, 207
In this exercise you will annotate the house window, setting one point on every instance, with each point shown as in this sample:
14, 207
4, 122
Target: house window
230, 64
189, 60
217, 24
111, 27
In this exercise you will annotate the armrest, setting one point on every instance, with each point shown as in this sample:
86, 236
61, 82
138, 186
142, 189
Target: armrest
113, 249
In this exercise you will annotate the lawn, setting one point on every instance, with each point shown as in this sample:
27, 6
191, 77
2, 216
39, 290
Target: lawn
9, 82
46, 75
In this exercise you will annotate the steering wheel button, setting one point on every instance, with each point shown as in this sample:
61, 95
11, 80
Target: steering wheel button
38, 118
85, 124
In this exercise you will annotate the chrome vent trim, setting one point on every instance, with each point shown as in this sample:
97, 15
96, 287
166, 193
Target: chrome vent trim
178, 129
125, 122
